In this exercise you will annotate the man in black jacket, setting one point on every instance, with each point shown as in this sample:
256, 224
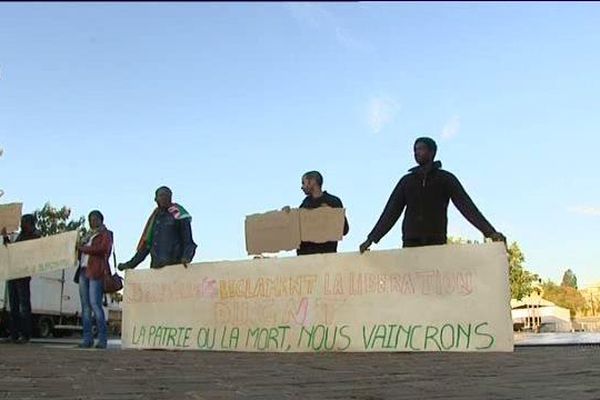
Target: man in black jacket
167, 236
312, 183
19, 295
426, 192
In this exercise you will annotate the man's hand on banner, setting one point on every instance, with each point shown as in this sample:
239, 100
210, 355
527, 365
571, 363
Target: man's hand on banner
124, 266
497, 237
365, 245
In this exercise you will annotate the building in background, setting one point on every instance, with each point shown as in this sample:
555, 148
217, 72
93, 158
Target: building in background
534, 313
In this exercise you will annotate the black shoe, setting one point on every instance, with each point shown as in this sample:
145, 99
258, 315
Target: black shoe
22, 340
100, 345
84, 345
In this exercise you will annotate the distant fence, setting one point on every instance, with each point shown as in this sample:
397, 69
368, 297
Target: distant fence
587, 324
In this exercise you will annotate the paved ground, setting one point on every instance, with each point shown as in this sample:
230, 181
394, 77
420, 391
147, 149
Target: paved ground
60, 371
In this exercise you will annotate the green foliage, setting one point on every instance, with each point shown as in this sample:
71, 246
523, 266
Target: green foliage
564, 296
569, 279
521, 280
52, 220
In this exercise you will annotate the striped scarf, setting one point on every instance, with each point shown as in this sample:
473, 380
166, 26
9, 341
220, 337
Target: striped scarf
176, 210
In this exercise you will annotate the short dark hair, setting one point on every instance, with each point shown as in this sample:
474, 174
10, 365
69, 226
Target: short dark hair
98, 214
165, 188
429, 142
316, 175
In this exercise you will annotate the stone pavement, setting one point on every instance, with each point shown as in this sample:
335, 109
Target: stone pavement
60, 371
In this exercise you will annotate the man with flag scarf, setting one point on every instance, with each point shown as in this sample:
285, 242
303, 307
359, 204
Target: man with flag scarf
167, 236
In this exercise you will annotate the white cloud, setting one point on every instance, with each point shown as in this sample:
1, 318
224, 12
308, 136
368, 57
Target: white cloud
451, 127
586, 210
381, 111
310, 14
315, 16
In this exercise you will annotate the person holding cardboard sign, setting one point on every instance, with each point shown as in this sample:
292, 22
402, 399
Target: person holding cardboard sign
425, 193
167, 236
19, 295
312, 183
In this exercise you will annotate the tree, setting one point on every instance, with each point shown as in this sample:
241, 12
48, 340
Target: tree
52, 220
564, 296
521, 280
569, 279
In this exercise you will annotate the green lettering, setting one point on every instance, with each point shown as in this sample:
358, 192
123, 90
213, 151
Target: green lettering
407, 331
234, 338
388, 345
490, 337
273, 334
444, 329
284, 329
303, 331
188, 333
467, 333
151, 333
431, 336
172, 336
412, 335
345, 336
367, 343
252, 333
379, 334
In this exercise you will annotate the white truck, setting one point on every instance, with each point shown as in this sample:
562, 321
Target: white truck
55, 306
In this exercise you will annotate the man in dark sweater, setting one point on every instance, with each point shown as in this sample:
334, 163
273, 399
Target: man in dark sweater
312, 183
19, 295
426, 192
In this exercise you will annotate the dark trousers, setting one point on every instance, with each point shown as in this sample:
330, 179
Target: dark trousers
316, 248
20, 307
432, 241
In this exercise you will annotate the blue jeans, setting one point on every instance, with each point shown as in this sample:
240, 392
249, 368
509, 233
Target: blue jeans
90, 293
20, 307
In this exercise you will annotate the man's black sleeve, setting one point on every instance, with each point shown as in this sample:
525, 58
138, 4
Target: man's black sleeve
189, 247
467, 208
139, 257
392, 211
338, 204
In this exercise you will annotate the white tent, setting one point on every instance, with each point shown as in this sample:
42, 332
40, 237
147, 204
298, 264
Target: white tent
537, 314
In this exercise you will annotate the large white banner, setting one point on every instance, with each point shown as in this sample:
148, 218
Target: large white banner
437, 298
35, 256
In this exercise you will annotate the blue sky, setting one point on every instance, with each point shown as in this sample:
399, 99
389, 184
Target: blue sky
228, 104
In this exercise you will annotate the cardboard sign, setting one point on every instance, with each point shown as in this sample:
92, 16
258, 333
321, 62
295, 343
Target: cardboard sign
282, 230
10, 216
320, 225
35, 256
272, 232
436, 298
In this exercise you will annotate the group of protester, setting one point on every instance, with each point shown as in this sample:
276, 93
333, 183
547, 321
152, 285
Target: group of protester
424, 193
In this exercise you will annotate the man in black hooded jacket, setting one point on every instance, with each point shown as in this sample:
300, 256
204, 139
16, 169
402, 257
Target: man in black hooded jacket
425, 193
